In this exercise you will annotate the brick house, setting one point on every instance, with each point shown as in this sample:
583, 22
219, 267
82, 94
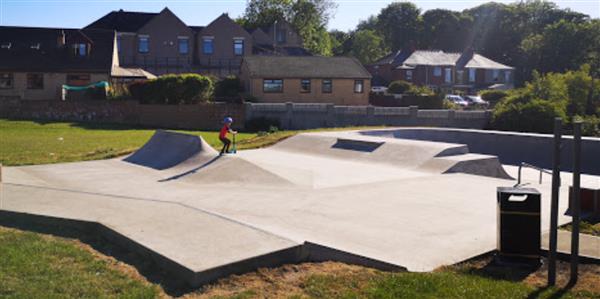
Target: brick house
35, 63
158, 42
337, 80
467, 71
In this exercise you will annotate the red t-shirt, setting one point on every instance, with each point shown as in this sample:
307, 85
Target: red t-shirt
224, 131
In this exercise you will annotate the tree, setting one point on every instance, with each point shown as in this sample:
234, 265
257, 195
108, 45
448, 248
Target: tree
400, 24
308, 17
262, 13
368, 46
341, 42
446, 30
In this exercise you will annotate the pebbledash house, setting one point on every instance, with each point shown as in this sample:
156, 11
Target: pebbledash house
467, 71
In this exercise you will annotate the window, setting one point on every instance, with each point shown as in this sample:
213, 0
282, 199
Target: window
144, 44
78, 79
6, 81
183, 43
459, 76
448, 77
471, 75
359, 86
305, 85
495, 74
238, 46
207, 45
326, 86
80, 49
35, 81
272, 85
408, 75
506, 76
281, 35
6, 45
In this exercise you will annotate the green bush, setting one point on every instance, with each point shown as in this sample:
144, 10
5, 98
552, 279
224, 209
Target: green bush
228, 87
399, 87
520, 113
262, 124
590, 125
493, 96
173, 89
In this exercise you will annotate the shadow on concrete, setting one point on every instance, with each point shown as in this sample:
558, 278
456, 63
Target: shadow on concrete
191, 171
144, 265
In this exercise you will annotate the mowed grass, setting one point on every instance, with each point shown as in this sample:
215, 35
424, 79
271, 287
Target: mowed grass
39, 266
28, 142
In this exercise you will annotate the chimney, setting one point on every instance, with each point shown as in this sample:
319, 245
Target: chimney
61, 40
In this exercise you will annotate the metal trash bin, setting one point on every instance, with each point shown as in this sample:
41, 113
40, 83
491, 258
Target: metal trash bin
519, 225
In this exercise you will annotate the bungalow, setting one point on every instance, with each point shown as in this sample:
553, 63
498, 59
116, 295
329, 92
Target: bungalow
466, 71
35, 63
308, 79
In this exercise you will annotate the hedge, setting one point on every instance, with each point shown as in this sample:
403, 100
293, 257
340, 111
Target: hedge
519, 113
173, 90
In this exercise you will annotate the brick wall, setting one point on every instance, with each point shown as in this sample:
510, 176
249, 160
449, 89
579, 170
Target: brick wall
201, 116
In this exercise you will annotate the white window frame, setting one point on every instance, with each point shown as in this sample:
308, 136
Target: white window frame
235, 40
359, 86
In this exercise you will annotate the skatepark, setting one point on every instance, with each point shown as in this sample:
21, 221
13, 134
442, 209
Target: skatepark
378, 198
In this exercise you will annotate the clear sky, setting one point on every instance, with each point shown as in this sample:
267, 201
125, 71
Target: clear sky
78, 13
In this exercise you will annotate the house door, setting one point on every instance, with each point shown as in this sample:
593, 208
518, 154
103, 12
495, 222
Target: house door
448, 77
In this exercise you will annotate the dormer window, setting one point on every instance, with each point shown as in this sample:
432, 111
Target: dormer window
80, 49
6, 45
35, 46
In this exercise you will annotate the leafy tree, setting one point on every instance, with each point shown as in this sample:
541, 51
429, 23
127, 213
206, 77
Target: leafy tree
308, 17
446, 30
341, 42
367, 46
400, 23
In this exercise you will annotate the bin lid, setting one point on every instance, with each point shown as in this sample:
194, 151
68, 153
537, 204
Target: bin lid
517, 190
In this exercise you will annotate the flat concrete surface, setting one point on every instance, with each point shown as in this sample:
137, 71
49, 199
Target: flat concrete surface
589, 246
383, 202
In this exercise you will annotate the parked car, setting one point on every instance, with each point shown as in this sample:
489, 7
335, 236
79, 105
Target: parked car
476, 101
379, 89
458, 100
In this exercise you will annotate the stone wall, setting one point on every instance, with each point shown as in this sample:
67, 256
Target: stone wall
210, 116
305, 116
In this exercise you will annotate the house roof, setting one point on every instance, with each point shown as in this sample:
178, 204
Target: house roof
25, 55
482, 62
122, 21
123, 72
431, 58
468, 59
304, 67
196, 28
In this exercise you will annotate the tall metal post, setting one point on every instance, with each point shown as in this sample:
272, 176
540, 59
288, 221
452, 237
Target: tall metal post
554, 202
576, 202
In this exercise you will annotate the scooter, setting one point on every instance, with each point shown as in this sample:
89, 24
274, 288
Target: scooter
234, 149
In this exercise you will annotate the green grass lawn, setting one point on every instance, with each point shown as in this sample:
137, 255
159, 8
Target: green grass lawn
28, 142
38, 266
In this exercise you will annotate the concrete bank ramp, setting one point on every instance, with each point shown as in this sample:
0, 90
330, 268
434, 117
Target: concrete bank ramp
356, 147
167, 149
476, 164
237, 171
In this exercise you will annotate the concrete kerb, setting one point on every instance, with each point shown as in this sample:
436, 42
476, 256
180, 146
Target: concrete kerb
306, 252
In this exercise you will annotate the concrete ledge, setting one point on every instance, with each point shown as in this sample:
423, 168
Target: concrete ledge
306, 252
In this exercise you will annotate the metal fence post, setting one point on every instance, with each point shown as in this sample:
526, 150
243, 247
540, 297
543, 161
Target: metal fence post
554, 202
576, 207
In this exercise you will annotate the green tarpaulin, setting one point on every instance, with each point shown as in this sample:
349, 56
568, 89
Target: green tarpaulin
99, 84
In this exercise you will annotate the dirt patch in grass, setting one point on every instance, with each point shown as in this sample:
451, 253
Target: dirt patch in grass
287, 281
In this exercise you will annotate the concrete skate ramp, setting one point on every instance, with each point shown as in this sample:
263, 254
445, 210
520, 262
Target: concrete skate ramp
510, 147
235, 170
476, 164
356, 147
167, 149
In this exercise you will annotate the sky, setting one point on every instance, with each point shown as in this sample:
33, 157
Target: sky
78, 13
